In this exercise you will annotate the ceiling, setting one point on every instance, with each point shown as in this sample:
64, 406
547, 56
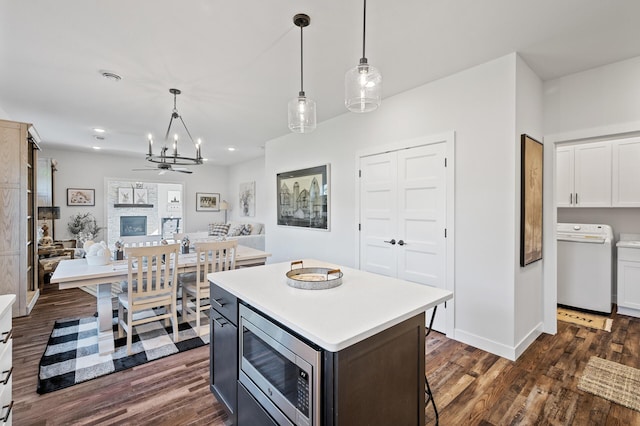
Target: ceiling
237, 62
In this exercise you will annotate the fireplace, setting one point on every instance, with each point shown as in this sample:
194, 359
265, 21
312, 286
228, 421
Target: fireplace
133, 226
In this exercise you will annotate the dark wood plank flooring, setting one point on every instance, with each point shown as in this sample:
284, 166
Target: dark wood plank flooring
471, 387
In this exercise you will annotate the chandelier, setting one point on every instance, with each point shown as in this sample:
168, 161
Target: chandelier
173, 157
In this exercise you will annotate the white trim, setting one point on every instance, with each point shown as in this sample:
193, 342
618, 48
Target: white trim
487, 345
528, 339
448, 138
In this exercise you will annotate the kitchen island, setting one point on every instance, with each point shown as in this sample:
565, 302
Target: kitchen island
368, 334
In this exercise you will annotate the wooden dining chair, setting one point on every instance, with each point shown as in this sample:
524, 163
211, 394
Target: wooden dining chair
211, 256
151, 283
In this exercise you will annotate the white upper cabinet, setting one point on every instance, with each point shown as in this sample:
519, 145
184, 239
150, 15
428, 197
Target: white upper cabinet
626, 172
564, 176
583, 175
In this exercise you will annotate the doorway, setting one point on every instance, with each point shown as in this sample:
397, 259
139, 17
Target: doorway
405, 206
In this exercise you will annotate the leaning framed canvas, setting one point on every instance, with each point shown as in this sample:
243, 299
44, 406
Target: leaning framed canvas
207, 202
530, 200
81, 197
303, 198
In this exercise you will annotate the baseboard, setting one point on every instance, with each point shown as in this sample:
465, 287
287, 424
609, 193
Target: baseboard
528, 339
485, 344
509, 352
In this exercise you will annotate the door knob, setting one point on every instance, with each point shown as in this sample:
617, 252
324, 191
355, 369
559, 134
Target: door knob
392, 242
401, 243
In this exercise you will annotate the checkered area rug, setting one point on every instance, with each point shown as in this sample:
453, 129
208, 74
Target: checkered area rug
72, 356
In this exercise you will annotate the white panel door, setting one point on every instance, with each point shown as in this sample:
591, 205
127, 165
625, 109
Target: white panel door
378, 213
403, 216
593, 175
564, 177
421, 215
626, 173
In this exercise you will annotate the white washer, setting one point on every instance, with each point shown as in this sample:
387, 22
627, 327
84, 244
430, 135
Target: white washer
585, 254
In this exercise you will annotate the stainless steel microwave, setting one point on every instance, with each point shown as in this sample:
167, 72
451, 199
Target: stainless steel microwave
281, 371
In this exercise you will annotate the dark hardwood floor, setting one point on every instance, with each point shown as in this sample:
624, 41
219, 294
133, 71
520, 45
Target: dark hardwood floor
471, 387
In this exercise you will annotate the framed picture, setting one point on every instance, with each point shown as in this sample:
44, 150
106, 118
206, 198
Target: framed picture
207, 202
303, 198
247, 199
140, 196
530, 200
125, 195
81, 197
173, 197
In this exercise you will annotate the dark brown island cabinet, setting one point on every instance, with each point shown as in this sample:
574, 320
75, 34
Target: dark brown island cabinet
376, 381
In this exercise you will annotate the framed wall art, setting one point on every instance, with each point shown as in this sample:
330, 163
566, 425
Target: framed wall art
125, 195
140, 196
247, 199
303, 198
530, 200
81, 197
207, 202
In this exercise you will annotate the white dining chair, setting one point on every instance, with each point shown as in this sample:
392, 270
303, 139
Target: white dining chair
210, 257
151, 283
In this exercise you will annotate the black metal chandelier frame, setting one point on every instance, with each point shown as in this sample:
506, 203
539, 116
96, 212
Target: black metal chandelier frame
174, 158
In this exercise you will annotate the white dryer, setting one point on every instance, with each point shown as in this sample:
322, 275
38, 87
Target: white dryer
585, 253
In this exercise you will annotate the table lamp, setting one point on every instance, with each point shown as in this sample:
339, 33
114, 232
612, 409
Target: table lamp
47, 213
224, 206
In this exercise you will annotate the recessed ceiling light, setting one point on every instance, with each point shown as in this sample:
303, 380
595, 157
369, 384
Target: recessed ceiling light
96, 148
98, 130
231, 148
110, 75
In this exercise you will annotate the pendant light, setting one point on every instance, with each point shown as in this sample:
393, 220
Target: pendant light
302, 110
363, 83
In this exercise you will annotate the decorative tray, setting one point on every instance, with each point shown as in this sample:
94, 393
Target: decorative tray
313, 278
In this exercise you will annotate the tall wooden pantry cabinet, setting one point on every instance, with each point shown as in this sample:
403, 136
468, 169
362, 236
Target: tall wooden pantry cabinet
18, 214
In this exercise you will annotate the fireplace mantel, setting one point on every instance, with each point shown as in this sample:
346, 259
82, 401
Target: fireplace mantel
140, 206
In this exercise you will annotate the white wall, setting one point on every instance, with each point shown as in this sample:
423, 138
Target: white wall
529, 283
249, 171
478, 104
89, 169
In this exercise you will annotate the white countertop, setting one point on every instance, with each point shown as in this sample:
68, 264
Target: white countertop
6, 302
629, 241
336, 318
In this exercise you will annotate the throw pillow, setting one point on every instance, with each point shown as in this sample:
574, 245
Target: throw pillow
218, 229
246, 229
236, 230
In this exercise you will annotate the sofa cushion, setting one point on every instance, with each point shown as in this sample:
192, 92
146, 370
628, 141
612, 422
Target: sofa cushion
236, 229
219, 229
257, 228
246, 229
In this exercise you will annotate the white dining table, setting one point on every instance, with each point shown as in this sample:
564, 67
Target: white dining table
75, 273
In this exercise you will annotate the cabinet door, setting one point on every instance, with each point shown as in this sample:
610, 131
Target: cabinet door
564, 176
626, 173
224, 361
592, 174
629, 284
250, 413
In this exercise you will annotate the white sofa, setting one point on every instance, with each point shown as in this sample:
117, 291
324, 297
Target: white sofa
255, 239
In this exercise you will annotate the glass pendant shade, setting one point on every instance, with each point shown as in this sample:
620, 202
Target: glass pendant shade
362, 88
302, 114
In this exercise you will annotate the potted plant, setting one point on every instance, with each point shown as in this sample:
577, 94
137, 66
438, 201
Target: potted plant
83, 227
